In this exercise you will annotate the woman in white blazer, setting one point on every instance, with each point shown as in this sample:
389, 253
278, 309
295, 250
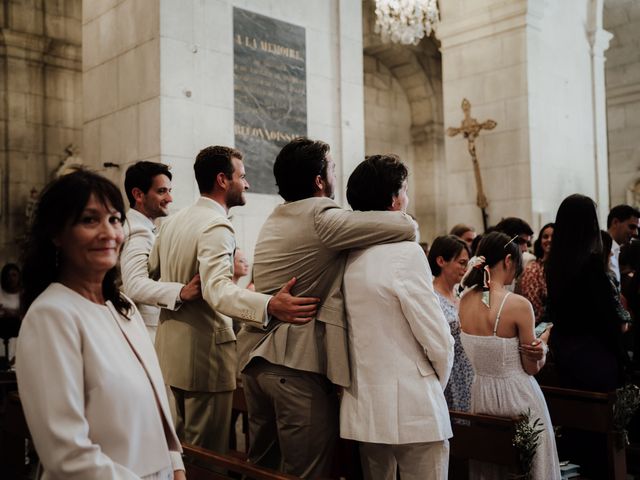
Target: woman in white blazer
88, 377
401, 349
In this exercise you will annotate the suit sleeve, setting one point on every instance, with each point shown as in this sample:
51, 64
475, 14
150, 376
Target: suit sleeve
215, 258
341, 229
134, 264
413, 284
49, 368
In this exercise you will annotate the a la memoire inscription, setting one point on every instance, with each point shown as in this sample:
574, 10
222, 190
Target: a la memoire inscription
270, 91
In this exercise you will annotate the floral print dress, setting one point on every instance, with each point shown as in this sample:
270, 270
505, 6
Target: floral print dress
458, 391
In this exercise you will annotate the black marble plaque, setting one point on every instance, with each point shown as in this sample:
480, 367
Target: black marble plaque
270, 92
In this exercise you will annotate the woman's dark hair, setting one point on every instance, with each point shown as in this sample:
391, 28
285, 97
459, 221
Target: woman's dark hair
375, 182
494, 247
60, 205
576, 240
607, 243
296, 167
448, 247
4, 276
537, 245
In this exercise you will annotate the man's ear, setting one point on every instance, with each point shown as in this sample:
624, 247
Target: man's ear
222, 181
319, 183
138, 195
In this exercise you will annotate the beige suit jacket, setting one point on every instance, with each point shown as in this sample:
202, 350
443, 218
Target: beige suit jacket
196, 344
92, 391
309, 239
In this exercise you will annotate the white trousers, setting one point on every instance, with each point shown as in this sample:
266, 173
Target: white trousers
416, 461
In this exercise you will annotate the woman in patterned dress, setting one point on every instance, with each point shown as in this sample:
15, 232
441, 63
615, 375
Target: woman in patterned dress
448, 260
532, 284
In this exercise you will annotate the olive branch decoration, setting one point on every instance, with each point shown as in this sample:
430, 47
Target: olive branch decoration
526, 441
625, 406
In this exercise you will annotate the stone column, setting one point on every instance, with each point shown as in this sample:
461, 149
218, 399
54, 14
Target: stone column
40, 106
526, 64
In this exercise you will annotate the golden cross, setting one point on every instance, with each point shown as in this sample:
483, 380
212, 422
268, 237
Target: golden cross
470, 128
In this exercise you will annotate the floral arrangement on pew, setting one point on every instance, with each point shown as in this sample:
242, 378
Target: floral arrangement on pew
626, 405
526, 441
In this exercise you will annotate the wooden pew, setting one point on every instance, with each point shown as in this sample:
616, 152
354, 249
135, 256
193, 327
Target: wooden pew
484, 438
589, 412
202, 464
13, 433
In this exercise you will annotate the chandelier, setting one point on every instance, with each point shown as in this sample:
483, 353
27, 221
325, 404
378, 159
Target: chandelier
405, 21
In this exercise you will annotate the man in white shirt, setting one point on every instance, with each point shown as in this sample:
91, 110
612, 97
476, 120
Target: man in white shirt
148, 189
622, 225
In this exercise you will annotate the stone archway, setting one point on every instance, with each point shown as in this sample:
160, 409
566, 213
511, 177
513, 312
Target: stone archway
417, 72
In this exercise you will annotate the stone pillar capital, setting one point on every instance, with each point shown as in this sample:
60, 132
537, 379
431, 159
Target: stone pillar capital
599, 41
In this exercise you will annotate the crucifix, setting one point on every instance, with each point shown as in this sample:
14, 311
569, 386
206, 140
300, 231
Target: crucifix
470, 128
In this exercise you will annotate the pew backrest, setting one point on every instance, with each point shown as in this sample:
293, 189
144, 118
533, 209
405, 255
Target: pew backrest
202, 464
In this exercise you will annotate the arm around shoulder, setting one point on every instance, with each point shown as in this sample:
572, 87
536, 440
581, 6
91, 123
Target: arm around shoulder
341, 229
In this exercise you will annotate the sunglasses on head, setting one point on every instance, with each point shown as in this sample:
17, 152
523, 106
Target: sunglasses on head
518, 240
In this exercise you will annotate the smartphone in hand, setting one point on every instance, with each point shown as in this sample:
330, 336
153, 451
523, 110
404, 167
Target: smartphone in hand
541, 327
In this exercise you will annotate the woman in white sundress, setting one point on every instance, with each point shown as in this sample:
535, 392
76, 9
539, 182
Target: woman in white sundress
498, 337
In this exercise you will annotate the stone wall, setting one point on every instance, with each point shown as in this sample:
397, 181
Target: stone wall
41, 104
622, 19
388, 118
161, 74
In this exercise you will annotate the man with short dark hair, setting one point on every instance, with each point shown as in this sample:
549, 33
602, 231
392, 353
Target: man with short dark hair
400, 345
196, 344
516, 227
290, 371
622, 225
148, 189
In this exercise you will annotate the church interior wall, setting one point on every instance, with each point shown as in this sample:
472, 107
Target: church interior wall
388, 119
175, 87
560, 108
418, 72
41, 107
483, 60
622, 19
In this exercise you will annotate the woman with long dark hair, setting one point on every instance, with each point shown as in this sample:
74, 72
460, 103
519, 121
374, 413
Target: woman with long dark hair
89, 380
498, 337
586, 341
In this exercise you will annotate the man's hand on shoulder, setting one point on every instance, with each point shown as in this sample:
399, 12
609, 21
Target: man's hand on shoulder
287, 308
191, 291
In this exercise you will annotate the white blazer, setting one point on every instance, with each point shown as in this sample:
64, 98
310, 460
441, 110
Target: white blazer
401, 348
149, 295
92, 391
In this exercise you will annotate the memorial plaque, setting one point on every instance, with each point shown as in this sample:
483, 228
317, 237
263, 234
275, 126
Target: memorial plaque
270, 92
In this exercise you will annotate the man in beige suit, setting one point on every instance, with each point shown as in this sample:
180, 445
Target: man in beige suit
196, 344
289, 371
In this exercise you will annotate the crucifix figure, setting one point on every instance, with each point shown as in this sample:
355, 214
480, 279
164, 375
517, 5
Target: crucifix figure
470, 128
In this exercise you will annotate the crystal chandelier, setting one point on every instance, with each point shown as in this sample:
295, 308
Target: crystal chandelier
405, 21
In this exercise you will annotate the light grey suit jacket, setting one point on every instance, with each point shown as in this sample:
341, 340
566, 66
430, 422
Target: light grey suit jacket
149, 295
196, 344
309, 239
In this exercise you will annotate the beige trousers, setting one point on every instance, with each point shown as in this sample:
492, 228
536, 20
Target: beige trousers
203, 418
416, 461
293, 419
